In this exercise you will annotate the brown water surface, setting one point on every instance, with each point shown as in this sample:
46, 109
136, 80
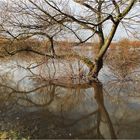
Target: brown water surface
49, 101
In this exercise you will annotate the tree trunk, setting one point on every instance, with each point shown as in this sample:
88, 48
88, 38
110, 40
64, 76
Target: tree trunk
96, 69
98, 64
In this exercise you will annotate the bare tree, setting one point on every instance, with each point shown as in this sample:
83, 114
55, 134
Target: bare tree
99, 13
50, 18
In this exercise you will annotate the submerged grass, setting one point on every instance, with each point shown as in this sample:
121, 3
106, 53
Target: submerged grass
11, 135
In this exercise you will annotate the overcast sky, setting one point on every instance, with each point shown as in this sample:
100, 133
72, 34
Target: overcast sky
121, 33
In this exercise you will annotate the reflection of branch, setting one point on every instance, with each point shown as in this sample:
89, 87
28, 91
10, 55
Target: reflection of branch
71, 85
23, 92
52, 95
103, 116
48, 83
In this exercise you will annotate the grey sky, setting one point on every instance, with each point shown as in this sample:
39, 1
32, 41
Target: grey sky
121, 33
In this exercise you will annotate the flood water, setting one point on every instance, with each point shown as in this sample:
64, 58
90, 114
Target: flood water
35, 102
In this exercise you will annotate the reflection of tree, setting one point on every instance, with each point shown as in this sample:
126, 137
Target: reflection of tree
62, 99
37, 100
71, 99
101, 112
103, 116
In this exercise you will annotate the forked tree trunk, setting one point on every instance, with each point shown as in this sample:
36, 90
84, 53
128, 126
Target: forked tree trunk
98, 63
99, 59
